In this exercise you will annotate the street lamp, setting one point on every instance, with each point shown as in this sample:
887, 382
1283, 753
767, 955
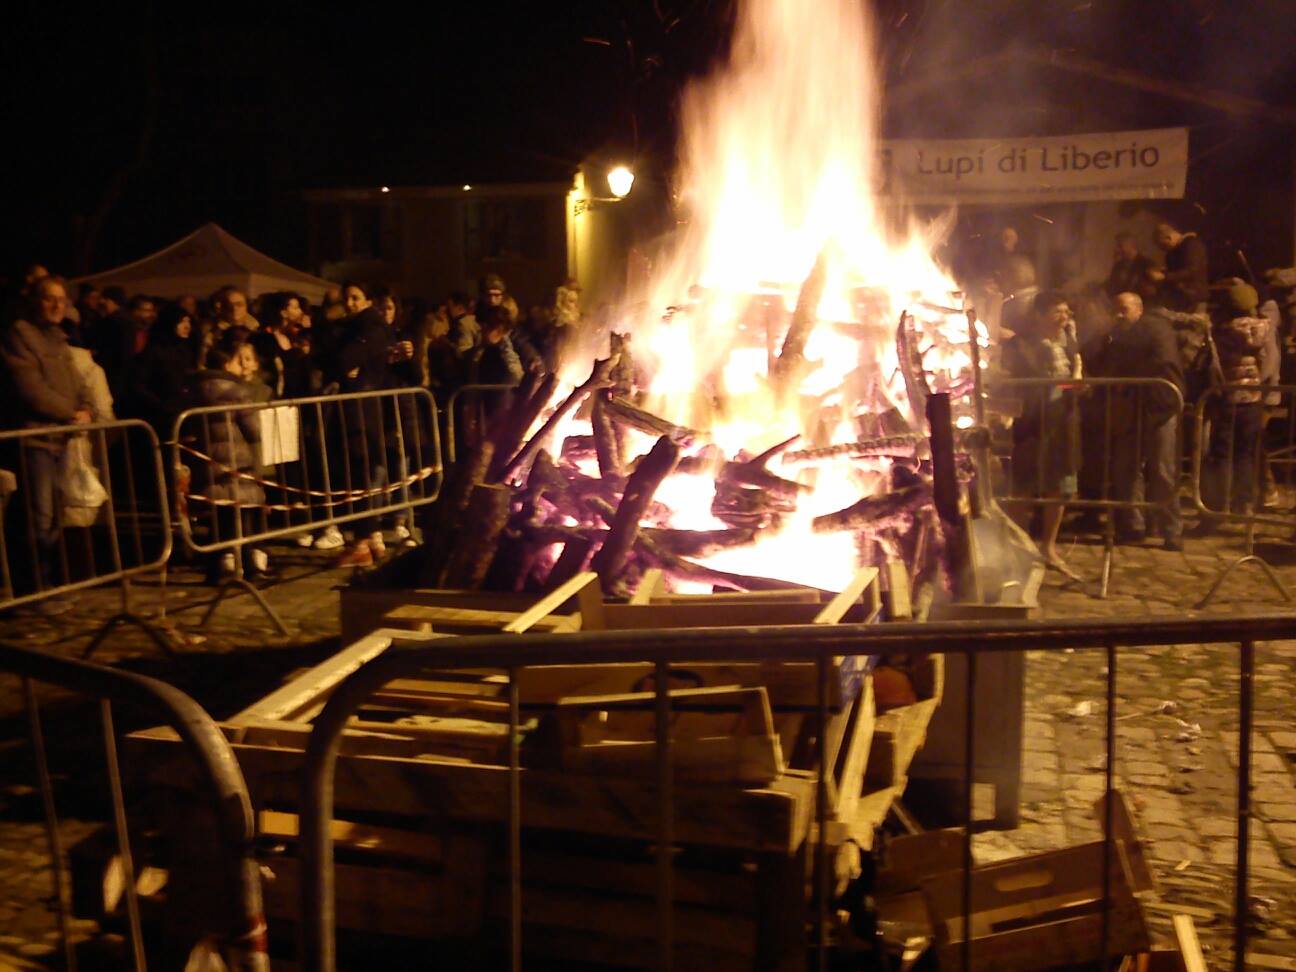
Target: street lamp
619, 180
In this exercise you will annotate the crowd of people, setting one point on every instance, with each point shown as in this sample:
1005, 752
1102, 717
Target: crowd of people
107, 354
1165, 320
101, 354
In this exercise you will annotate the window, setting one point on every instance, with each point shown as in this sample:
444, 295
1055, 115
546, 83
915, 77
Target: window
511, 229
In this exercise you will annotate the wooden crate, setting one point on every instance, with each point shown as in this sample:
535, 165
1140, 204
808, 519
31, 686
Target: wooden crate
577, 606
421, 790
901, 731
1035, 912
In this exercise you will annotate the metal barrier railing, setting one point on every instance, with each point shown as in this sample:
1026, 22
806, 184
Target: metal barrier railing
258, 472
86, 507
237, 918
1244, 436
468, 396
819, 644
1118, 440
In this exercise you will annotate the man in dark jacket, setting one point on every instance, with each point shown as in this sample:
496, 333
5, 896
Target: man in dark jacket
1144, 428
1185, 282
1131, 271
120, 338
44, 389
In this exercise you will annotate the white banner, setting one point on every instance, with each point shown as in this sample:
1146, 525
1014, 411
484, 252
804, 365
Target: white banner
1150, 164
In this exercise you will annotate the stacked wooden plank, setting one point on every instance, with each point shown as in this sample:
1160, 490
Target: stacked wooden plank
421, 794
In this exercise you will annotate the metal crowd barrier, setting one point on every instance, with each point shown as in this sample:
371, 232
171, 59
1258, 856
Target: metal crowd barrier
82, 506
251, 473
1244, 446
1121, 429
467, 397
819, 644
236, 919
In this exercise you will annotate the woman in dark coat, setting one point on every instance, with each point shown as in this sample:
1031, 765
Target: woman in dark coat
159, 372
228, 440
362, 364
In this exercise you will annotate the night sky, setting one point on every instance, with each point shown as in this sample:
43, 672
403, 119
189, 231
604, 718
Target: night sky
131, 125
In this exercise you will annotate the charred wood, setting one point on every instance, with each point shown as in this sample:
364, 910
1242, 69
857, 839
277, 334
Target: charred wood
705, 460
577, 447
606, 445
484, 521
699, 543
911, 366
755, 472
534, 394
451, 507
625, 413
684, 569
643, 483
599, 378
875, 512
792, 356
573, 559
891, 446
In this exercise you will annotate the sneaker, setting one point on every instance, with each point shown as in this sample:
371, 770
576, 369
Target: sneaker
227, 562
402, 532
376, 544
358, 556
260, 560
304, 540
330, 539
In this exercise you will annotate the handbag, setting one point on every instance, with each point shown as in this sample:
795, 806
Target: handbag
80, 489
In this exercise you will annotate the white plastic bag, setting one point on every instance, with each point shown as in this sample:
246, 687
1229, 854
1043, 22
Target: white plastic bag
82, 492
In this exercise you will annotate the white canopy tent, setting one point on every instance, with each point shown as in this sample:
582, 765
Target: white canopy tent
205, 260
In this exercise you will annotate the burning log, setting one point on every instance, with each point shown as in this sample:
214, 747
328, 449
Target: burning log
599, 377
742, 506
625, 413
754, 472
606, 442
643, 483
899, 447
546, 480
533, 395
453, 505
574, 558
703, 461
586, 488
683, 569
699, 543
792, 357
484, 521
578, 447
875, 512
911, 366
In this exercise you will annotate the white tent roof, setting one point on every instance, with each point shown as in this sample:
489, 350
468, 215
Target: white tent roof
202, 262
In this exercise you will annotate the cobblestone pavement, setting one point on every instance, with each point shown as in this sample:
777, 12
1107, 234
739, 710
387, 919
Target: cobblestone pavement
1177, 726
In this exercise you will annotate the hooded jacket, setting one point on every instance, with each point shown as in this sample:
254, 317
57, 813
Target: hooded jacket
227, 439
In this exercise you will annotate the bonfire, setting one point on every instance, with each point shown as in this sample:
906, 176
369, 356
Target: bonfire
759, 414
